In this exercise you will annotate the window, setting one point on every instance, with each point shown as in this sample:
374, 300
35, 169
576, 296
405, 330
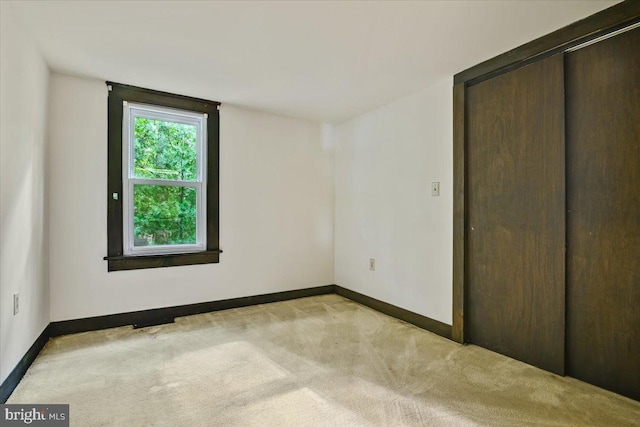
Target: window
163, 194
162, 178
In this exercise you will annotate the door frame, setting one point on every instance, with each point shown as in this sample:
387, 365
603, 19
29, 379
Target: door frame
595, 26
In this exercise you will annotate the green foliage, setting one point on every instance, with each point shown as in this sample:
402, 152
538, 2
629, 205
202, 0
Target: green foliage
164, 214
165, 150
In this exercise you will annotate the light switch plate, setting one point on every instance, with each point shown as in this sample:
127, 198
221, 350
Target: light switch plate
435, 188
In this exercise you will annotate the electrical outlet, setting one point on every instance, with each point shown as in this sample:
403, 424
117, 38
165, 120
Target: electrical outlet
16, 303
372, 264
435, 188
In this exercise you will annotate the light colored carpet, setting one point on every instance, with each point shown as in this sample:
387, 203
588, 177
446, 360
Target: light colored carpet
319, 361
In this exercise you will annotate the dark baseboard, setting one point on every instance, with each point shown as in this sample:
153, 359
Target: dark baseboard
12, 381
157, 316
166, 315
143, 318
420, 321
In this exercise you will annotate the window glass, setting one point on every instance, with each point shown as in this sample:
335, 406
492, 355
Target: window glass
165, 149
164, 215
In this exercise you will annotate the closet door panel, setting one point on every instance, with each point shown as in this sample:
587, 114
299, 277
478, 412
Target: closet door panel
603, 219
515, 274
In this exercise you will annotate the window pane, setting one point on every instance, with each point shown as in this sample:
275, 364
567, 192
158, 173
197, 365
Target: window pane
165, 150
164, 215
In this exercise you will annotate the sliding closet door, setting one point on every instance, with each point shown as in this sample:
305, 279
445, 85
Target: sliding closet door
515, 220
603, 219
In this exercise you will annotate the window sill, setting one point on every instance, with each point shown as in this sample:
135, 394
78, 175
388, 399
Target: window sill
118, 263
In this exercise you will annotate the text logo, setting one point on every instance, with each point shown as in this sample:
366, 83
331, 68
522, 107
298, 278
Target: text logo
34, 415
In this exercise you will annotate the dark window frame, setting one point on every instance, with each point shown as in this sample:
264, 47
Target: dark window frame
118, 93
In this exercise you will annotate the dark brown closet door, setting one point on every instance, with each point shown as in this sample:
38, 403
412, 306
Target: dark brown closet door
603, 219
516, 224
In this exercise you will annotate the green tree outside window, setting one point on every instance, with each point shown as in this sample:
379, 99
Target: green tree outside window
164, 215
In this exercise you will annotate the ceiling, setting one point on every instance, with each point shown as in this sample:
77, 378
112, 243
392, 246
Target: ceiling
326, 61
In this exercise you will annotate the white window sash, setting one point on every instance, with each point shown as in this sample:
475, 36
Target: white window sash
130, 112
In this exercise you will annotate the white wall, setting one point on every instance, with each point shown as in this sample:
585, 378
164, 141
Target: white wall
276, 211
385, 161
24, 80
